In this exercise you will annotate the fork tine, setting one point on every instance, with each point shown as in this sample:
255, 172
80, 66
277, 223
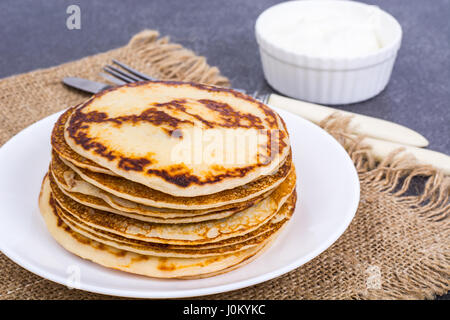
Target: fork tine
112, 79
124, 73
118, 75
133, 71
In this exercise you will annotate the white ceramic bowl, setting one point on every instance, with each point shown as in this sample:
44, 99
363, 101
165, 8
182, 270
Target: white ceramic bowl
326, 80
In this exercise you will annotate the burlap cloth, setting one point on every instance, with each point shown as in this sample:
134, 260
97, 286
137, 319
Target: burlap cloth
396, 247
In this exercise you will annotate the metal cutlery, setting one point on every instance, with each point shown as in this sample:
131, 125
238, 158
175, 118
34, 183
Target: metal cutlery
85, 85
372, 127
384, 136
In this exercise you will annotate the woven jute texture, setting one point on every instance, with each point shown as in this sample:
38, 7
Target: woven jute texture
397, 246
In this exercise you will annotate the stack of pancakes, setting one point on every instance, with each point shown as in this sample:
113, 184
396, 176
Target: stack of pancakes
169, 179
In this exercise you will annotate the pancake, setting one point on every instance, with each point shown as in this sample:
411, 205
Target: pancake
144, 213
182, 139
260, 251
98, 203
60, 199
64, 151
159, 267
238, 224
225, 247
88, 194
84, 193
138, 193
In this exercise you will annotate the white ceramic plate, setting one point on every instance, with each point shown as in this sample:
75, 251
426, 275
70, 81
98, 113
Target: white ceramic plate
328, 196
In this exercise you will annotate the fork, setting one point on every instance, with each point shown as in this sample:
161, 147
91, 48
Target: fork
126, 74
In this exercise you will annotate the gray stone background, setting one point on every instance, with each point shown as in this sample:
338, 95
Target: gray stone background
33, 35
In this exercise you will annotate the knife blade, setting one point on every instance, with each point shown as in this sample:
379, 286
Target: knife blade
85, 85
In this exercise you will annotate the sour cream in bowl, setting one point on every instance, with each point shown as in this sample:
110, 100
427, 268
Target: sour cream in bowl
326, 51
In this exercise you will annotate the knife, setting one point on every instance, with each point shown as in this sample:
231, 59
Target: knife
384, 136
85, 85
381, 149
364, 125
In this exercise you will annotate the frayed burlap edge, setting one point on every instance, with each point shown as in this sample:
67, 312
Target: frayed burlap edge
395, 173
394, 176
395, 248
171, 61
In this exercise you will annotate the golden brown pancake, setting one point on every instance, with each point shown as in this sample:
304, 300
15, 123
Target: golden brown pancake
141, 179
64, 151
159, 267
144, 213
147, 133
60, 199
98, 203
88, 194
224, 247
238, 224
138, 193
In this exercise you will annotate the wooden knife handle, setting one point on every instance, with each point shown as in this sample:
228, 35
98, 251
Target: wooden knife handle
381, 149
365, 125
